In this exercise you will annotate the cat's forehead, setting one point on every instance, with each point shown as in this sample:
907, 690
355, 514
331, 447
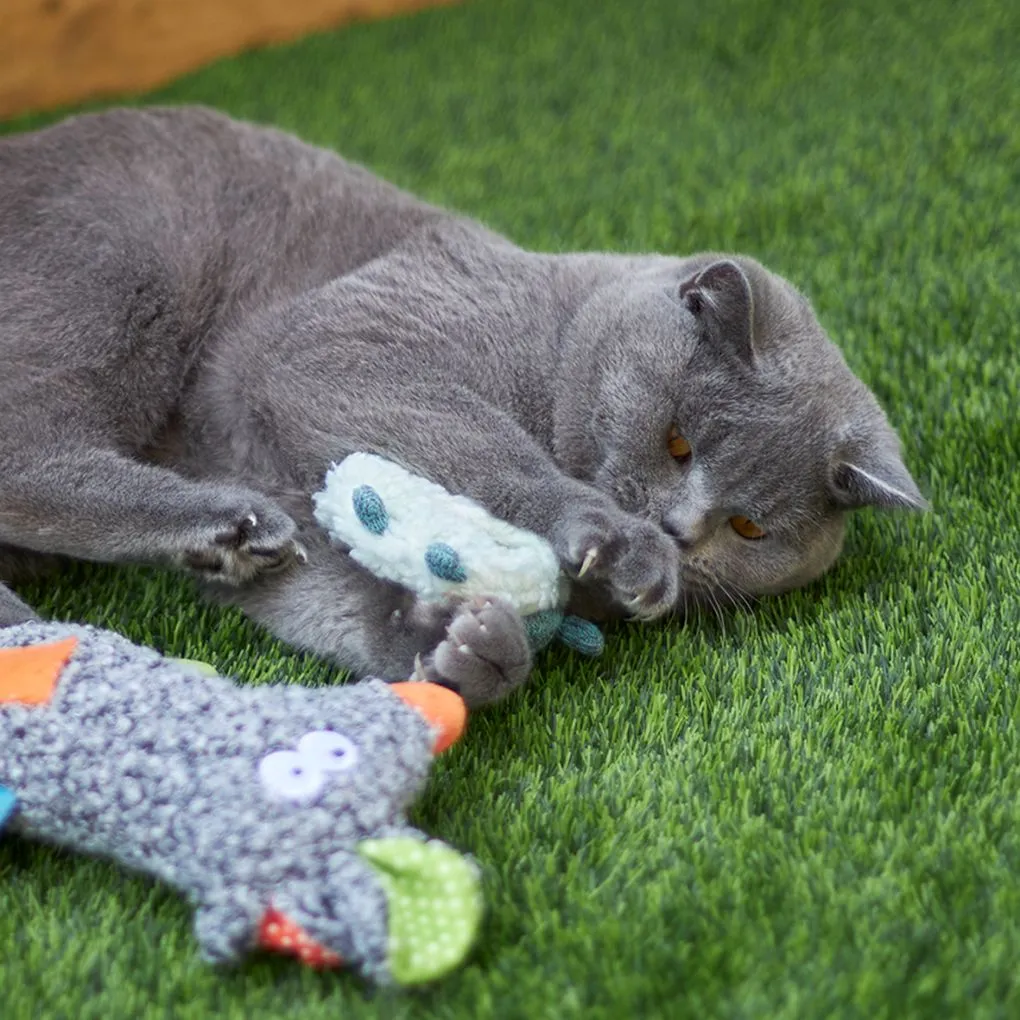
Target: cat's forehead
767, 453
798, 386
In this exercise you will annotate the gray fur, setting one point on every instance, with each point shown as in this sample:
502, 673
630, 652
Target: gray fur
149, 763
13, 610
197, 316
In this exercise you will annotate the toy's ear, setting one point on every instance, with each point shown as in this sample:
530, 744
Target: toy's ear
433, 905
29, 674
443, 709
8, 802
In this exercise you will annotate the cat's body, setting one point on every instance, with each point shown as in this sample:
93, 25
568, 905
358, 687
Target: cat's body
197, 316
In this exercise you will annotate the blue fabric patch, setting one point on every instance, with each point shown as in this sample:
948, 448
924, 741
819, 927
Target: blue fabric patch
371, 510
542, 627
581, 635
7, 802
443, 561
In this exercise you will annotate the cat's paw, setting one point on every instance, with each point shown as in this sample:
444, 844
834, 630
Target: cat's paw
638, 561
240, 541
485, 653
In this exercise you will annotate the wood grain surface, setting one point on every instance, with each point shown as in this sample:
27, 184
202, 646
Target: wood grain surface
54, 52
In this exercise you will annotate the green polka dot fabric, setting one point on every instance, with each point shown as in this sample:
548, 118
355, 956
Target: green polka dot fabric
197, 665
435, 905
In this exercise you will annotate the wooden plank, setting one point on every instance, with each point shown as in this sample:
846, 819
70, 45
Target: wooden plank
54, 52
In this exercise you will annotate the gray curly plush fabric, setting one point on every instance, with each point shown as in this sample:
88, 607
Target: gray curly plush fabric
164, 769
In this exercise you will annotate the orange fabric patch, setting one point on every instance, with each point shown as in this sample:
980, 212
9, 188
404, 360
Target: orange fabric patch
278, 933
445, 710
29, 675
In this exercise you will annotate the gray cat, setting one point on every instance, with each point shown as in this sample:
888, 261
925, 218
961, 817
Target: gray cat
197, 316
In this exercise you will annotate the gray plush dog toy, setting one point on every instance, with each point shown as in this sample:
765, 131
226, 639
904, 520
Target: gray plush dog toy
278, 810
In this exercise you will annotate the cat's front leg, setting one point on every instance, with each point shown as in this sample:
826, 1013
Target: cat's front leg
626, 558
477, 450
93, 503
627, 565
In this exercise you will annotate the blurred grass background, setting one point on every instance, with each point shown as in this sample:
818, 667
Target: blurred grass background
808, 811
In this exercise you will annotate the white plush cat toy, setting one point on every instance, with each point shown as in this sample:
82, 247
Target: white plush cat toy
409, 530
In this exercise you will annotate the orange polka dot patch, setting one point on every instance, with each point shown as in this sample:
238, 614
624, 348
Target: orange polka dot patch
281, 935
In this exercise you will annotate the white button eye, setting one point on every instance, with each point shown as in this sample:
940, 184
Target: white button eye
287, 775
328, 751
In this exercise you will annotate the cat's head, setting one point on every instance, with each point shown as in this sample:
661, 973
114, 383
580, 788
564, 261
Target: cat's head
703, 393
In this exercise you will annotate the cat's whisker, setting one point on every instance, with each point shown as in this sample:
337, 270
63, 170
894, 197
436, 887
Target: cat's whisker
703, 591
709, 586
747, 599
719, 615
736, 593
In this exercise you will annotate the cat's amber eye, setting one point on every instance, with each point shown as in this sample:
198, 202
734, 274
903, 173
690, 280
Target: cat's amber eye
679, 448
746, 528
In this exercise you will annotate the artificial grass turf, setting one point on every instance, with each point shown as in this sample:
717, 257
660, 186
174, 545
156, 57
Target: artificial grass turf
810, 810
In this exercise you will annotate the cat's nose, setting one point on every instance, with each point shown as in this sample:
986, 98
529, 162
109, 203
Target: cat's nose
685, 537
687, 530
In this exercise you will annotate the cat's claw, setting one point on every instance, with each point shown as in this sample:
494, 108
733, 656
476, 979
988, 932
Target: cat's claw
589, 561
242, 544
639, 562
644, 607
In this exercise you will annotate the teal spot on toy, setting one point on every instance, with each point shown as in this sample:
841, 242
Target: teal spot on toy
370, 508
442, 561
7, 803
581, 635
542, 627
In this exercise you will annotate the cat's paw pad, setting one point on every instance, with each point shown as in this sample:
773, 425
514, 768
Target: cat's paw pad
638, 561
252, 538
485, 653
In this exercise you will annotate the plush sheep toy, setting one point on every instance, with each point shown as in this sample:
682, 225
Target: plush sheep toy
278, 810
409, 530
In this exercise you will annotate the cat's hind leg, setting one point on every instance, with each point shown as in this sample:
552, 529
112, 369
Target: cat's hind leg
334, 608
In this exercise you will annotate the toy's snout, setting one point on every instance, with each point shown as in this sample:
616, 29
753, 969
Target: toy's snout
433, 911
445, 710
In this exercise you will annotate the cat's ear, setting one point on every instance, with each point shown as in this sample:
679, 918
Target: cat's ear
875, 477
720, 296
